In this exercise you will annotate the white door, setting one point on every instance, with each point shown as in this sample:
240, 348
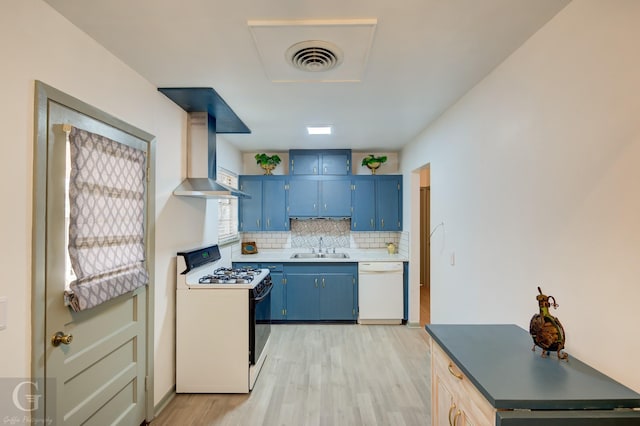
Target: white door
98, 377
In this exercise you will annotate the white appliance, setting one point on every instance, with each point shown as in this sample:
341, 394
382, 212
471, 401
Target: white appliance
223, 324
380, 292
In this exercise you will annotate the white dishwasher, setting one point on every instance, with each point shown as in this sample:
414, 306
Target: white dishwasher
380, 293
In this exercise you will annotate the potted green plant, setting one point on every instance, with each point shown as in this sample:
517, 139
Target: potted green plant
267, 162
373, 162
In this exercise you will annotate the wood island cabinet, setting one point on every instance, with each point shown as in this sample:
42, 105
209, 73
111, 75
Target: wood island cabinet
486, 375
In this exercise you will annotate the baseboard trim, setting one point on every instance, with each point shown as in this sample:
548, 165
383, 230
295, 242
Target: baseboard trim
413, 324
166, 399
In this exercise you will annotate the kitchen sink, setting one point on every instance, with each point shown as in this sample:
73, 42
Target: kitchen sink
320, 256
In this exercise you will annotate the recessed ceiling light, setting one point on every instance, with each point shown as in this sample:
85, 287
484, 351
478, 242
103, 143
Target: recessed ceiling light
319, 130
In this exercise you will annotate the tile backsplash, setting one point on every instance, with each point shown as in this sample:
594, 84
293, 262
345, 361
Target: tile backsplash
334, 233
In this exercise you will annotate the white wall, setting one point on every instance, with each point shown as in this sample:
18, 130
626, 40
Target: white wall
535, 175
36, 43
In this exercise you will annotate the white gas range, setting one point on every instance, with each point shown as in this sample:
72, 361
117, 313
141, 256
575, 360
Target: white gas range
223, 324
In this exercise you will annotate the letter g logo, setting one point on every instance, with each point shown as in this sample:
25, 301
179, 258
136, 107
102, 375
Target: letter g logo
30, 398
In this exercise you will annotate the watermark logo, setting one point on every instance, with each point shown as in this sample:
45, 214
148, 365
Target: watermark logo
22, 401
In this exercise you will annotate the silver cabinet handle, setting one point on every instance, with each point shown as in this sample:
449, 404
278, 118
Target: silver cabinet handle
268, 223
322, 282
316, 282
372, 222
258, 222
382, 223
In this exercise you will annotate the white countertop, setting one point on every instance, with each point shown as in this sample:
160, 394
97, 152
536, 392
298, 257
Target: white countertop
355, 255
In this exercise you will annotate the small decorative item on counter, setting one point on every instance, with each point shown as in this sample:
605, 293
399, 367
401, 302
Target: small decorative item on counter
373, 162
249, 247
391, 248
267, 162
546, 330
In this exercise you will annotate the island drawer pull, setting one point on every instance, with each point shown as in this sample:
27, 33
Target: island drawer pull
453, 373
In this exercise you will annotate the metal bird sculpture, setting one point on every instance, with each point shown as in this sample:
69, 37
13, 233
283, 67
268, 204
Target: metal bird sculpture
546, 330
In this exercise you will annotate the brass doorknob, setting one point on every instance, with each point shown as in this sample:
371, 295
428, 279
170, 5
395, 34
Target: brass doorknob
60, 337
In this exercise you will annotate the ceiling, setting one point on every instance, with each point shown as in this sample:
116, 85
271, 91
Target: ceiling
419, 58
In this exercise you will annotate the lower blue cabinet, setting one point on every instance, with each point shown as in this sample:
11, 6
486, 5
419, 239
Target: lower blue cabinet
310, 291
321, 291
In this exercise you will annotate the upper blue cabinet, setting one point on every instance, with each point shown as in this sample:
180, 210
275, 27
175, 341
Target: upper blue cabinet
317, 196
266, 210
376, 203
320, 162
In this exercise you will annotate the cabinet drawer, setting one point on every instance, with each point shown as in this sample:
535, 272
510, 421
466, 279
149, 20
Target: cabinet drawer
273, 267
476, 406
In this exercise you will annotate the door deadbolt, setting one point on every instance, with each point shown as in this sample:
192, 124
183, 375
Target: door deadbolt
60, 337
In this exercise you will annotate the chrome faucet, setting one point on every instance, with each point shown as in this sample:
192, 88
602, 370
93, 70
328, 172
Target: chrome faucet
320, 248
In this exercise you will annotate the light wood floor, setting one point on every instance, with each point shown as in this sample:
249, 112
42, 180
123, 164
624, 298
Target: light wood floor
325, 374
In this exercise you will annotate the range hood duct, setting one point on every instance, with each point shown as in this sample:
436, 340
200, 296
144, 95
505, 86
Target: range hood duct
201, 161
208, 115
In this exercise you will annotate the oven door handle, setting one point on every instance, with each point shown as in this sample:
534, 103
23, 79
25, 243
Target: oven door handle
265, 294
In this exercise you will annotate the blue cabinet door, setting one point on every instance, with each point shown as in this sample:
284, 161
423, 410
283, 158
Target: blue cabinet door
302, 297
336, 163
337, 297
389, 203
304, 164
274, 204
320, 162
303, 197
335, 200
363, 201
278, 301
250, 209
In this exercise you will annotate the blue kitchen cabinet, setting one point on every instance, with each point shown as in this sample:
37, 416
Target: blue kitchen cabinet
278, 297
266, 210
274, 204
376, 203
302, 291
303, 197
337, 296
321, 291
319, 196
320, 162
389, 203
250, 209
363, 202
335, 197
336, 163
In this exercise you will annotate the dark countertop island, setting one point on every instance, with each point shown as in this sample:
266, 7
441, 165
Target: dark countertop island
499, 362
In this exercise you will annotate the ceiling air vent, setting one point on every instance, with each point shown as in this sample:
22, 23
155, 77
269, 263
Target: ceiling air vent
314, 56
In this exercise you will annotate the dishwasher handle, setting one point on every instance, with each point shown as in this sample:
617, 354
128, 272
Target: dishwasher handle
380, 267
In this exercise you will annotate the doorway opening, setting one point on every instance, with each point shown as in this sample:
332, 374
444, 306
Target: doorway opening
425, 247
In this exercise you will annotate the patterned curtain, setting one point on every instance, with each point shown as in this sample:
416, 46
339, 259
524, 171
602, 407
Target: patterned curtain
106, 219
